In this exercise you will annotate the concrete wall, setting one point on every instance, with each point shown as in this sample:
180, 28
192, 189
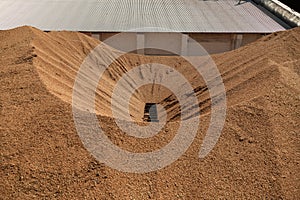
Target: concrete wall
180, 44
171, 41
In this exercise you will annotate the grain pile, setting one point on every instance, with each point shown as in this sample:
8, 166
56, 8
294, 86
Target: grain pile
42, 157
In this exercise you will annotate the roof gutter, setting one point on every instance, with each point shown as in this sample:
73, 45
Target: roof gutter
282, 11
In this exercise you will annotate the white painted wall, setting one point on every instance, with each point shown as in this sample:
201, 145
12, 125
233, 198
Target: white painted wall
124, 42
178, 43
171, 41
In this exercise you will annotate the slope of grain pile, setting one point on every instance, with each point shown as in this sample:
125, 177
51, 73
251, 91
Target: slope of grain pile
42, 157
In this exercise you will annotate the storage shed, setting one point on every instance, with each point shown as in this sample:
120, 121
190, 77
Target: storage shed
218, 25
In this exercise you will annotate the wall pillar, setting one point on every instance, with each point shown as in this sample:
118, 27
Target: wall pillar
184, 44
96, 36
140, 43
237, 41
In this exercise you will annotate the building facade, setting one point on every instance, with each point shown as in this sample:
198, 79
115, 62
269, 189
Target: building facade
218, 25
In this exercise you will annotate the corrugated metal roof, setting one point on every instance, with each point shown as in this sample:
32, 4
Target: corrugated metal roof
123, 15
